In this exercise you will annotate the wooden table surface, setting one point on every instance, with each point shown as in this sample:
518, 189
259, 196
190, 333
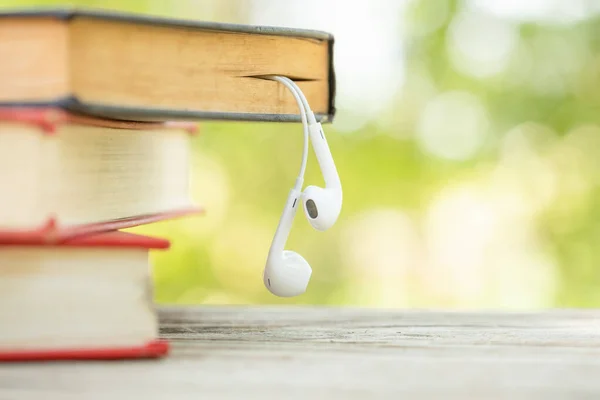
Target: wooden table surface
313, 353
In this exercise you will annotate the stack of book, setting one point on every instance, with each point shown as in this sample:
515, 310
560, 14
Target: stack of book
97, 114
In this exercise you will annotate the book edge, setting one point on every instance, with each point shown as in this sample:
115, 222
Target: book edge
154, 349
49, 117
68, 13
52, 233
107, 239
150, 114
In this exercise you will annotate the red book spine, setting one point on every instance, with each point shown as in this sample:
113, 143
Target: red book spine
153, 349
53, 232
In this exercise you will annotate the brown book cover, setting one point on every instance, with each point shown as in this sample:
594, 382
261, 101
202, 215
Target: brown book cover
140, 67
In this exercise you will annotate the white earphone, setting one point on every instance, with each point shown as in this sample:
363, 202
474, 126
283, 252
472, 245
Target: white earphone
286, 272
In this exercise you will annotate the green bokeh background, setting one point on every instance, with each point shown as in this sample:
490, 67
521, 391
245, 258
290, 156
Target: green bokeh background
515, 225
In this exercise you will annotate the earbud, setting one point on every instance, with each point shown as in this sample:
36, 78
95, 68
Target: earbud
322, 206
286, 272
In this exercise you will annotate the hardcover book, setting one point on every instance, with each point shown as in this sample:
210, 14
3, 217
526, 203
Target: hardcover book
89, 297
137, 67
64, 174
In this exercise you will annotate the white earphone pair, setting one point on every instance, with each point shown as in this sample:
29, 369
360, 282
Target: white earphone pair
286, 272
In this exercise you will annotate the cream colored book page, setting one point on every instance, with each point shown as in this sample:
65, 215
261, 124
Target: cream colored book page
69, 297
21, 155
105, 174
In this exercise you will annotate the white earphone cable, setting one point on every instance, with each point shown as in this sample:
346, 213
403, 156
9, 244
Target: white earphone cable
309, 113
301, 100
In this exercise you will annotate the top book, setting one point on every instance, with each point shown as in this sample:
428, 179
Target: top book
139, 67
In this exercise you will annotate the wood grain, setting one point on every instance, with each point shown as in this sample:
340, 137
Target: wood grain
276, 353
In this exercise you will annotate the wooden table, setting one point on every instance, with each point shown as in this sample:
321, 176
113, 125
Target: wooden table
313, 353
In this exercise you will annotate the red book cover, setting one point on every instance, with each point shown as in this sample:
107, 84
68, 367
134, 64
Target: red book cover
53, 231
153, 349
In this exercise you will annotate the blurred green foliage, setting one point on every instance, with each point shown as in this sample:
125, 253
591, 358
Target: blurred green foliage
514, 224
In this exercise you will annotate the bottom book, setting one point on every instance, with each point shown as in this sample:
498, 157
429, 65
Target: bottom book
86, 298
